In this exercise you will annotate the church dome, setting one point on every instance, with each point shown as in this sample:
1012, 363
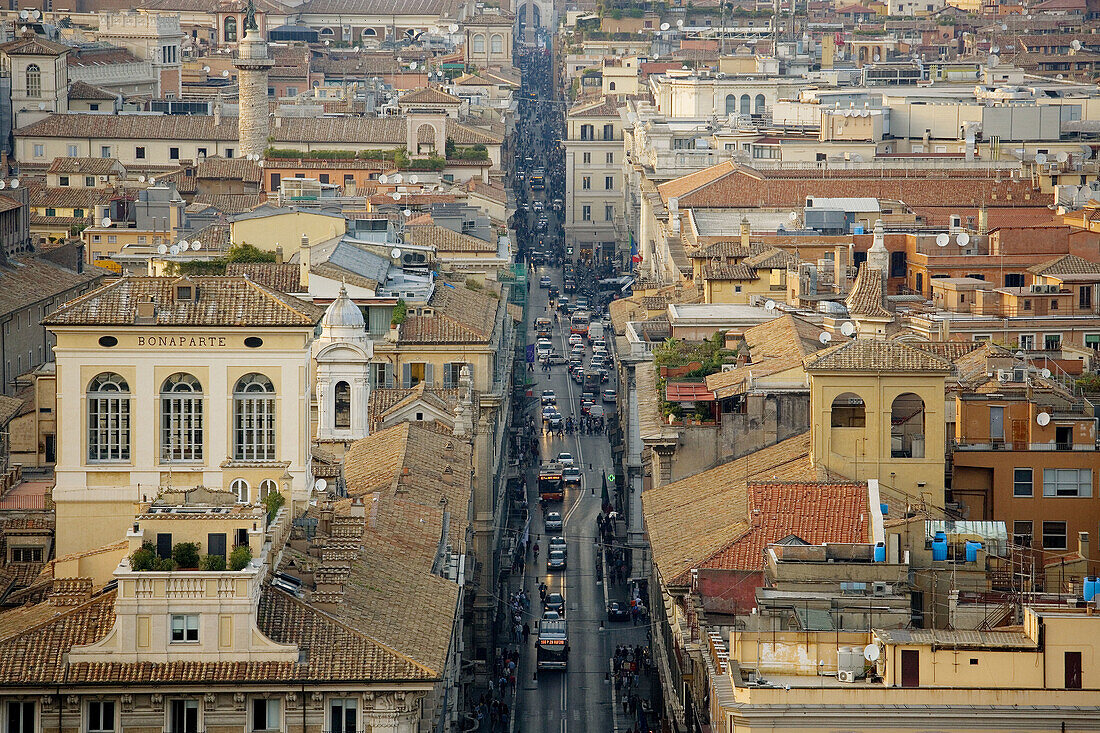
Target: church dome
343, 314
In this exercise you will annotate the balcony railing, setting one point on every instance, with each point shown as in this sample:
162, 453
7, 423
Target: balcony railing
1020, 445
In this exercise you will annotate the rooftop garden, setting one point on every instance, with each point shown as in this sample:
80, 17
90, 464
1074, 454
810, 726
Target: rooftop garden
683, 361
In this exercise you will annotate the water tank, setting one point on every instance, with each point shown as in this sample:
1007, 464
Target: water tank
972, 551
939, 548
885, 508
1092, 587
850, 659
880, 552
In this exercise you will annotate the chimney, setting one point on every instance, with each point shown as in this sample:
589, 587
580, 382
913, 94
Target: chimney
746, 230
983, 220
358, 509
217, 113
278, 254
324, 526
1083, 544
303, 263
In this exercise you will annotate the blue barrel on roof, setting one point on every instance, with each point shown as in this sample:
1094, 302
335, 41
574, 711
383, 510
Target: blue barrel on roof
880, 552
972, 550
939, 547
885, 509
1092, 587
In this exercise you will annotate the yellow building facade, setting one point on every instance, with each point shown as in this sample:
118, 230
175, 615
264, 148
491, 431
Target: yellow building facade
173, 383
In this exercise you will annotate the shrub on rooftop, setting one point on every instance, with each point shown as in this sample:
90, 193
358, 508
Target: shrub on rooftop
241, 556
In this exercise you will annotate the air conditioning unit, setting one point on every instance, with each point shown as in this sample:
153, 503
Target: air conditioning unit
103, 179
882, 589
1003, 375
846, 675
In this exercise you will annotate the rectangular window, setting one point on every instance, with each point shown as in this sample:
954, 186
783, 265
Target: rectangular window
89, 181
343, 715
63, 181
323, 178
586, 183
611, 159
1052, 341
112, 239
586, 158
1027, 304
20, 717
39, 151
72, 151
1027, 341
185, 628
101, 716
139, 152
229, 152
1054, 304
105, 151
78, 213
292, 91
1084, 297
51, 212
1092, 340
265, 714
586, 213
174, 153
1067, 482
183, 716
1014, 280
1022, 482
609, 212
202, 153
381, 375
26, 554
1021, 533
609, 183
1054, 535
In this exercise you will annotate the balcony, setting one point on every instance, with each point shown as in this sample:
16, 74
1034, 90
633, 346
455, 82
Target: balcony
996, 444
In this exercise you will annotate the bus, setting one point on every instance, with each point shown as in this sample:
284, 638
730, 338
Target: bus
538, 180
579, 322
551, 482
553, 647
542, 326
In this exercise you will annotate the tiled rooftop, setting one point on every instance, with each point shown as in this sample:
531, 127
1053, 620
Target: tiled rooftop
867, 355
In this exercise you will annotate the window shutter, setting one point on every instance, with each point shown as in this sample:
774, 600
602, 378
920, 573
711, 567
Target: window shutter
448, 375
429, 373
406, 376
389, 376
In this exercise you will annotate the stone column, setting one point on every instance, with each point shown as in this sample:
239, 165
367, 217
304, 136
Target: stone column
252, 65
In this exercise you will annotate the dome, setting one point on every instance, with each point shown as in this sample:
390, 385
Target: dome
343, 314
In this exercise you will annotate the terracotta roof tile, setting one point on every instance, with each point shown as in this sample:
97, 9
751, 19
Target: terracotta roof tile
728, 272
29, 279
460, 315
863, 355
236, 169
222, 301
868, 294
446, 240
84, 90
1066, 265
85, 166
33, 46
429, 96
282, 277
604, 107
232, 203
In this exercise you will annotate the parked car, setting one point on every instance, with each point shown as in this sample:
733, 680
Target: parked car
617, 612
609, 395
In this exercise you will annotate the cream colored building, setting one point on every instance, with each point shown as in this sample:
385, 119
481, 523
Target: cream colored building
39, 78
594, 179
228, 409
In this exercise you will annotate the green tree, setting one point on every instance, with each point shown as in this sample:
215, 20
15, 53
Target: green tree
241, 556
186, 554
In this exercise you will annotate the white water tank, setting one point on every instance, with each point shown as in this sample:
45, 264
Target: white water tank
849, 659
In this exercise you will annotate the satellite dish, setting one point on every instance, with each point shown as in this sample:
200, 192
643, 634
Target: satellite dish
1045, 374
993, 60
871, 652
413, 66
383, 179
825, 337
942, 239
793, 216
395, 196
453, 27
36, 14
1075, 45
1086, 151
995, 50
2, 185
769, 305
320, 484
397, 178
414, 179
963, 239
24, 15
680, 23
184, 245
664, 26
206, 69
395, 252
196, 245
41, 105
105, 222
1043, 418
356, 49
1040, 158
24, 29
163, 249
225, 72
847, 328
174, 250
1062, 157
1004, 26
407, 212
141, 179
15, 183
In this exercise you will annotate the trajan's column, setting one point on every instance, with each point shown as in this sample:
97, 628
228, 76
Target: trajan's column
252, 64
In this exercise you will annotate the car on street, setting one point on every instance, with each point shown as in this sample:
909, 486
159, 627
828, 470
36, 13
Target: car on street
557, 542
599, 344
608, 395
575, 339
577, 349
544, 281
563, 301
586, 406
582, 302
553, 522
547, 411
548, 615
617, 611
577, 375
571, 475
548, 397
555, 560
538, 206
588, 397
543, 348
565, 459
554, 359
555, 421
555, 602
605, 376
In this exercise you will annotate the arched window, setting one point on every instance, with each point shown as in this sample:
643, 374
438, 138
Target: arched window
369, 33
268, 486
479, 43
108, 418
731, 104
254, 418
848, 411
240, 487
759, 105
34, 81
746, 104
181, 418
907, 426
611, 86
230, 29
496, 43
341, 412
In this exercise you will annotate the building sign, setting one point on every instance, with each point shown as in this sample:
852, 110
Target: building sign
182, 342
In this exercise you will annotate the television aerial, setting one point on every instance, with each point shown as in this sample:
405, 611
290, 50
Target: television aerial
847, 328
1043, 418
163, 249
942, 239
825, 337
105, 222
769, 305
963, 239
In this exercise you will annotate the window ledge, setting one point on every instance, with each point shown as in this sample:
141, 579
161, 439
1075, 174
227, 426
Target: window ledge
243, 463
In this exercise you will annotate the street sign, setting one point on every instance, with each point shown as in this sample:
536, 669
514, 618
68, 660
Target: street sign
610, 477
